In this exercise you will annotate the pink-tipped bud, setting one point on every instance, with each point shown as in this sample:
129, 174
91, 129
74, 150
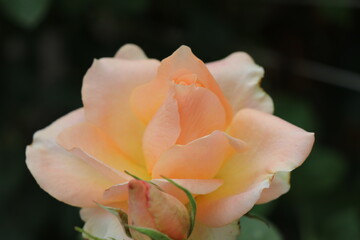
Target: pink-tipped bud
150, 207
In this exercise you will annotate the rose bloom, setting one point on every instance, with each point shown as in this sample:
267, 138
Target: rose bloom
207, 126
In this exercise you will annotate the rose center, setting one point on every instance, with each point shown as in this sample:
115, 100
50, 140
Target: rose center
188, 79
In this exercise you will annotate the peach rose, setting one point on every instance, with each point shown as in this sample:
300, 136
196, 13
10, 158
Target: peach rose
207, 126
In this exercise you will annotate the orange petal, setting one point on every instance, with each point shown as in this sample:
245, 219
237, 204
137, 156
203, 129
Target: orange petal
200, 159
92, 144
147, 98
106, 92
60, 173
222, 211
195, 186
273, 145
162, 131
239, 78
280, 184
200, 112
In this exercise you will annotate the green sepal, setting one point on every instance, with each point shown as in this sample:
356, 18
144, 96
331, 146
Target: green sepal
152, 233
192, 204
87, 234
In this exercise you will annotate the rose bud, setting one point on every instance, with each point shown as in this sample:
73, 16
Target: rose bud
152, 208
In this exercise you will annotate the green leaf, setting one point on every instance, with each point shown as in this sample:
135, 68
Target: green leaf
253, 229
120, 214
88, 235
152, 233
250, 215
26, 13
192, 203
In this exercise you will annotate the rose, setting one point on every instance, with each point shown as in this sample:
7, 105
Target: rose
149, 207
207, 126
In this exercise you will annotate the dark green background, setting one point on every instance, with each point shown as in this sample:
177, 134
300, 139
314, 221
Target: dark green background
310, 51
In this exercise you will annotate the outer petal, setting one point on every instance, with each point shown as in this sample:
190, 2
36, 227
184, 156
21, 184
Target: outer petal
195, 186
239, 78
60, 173
106, 92
92, 141
102, 224
273, 145
148, 98
280, 185
200, 159
203, 232
219, 212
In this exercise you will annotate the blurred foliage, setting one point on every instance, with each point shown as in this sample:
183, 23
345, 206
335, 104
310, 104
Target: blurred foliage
254, 229
26, 13
46, 47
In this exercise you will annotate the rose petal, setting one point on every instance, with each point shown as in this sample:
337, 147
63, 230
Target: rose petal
219, 212
60, 173
273, 145
200, 159
194, 110
239, 78
95, 144
280, 185
130, 52
102, 224
200, 112
162, 131
147, 98
203, 232
195, 186
106, 92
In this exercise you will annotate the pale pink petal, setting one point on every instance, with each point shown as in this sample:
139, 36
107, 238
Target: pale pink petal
200, 112
102, 224
200, 159
117, 193
203, 232
106, 92
147, 98
273, 145
60, 173
280, 184
195, 186
162, 131
93, 145
239, 78
130, 52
